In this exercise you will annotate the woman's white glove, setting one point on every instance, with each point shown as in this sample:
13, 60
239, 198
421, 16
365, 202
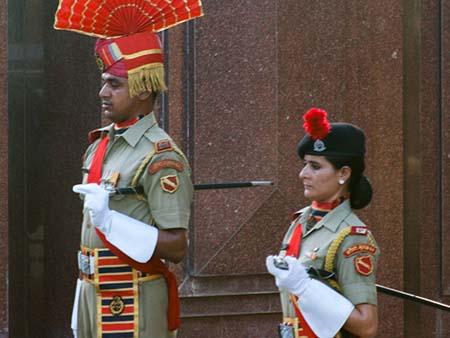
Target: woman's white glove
292, 279
324, 309
96, 201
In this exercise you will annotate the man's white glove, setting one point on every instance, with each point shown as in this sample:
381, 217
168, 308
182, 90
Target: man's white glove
96, 202
135, 238
325, 310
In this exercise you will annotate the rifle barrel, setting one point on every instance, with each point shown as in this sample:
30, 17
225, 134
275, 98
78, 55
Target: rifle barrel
229, 185
413, 298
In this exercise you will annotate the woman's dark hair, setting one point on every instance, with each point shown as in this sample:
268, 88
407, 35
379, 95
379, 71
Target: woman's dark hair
359, 186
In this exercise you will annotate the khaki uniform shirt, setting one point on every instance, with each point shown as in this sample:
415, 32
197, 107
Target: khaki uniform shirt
356, 287
125, 153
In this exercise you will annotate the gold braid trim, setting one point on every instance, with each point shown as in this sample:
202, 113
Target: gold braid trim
141, 168
147, 79
331, 257
146, 161
332, 251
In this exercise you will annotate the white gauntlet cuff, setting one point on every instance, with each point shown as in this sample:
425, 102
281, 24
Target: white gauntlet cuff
325, 310
135, 238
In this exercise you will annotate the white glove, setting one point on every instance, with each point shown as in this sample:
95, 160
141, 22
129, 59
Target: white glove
324, 309
292, 279
96, 201
135, 238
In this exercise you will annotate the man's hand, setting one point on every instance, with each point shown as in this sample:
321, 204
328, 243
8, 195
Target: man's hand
135, 238
292, 279
96, 201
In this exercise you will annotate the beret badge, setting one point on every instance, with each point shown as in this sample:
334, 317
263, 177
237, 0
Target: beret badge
319, 146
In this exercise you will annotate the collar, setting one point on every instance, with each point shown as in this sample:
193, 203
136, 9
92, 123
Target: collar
137, 130
332, 220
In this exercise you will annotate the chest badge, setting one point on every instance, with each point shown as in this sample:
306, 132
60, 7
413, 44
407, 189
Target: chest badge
312, 255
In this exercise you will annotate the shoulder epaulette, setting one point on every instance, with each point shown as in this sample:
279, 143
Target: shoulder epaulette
163, 146
94, 135
358, 230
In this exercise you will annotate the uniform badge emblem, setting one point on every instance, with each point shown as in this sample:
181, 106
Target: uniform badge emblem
169, 183
163, 146
319, 146
364, 265
100, 63
358, 248
157, 166
117, 305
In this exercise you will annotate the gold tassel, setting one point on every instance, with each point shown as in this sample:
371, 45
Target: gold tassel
147, 79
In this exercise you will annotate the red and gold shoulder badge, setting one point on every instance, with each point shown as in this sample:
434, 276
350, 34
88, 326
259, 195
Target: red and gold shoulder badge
169, 183
163, 146
364, 265
359, 231
157, 166
359, 248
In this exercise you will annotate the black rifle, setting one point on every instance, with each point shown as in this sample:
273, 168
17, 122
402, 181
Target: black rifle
412, 297
201, 186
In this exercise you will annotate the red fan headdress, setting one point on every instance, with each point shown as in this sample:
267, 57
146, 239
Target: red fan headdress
316, 123
128, 46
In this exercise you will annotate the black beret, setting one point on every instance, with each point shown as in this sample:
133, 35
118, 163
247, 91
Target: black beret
343, 139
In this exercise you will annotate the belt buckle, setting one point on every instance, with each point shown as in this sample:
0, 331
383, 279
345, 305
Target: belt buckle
84, 263
286, 330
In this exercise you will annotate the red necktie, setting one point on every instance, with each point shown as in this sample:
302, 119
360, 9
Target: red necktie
95, 171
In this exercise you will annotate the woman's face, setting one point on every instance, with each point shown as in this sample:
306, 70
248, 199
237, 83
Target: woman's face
321, 180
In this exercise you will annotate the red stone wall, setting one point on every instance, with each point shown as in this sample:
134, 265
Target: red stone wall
3, 172
239, 80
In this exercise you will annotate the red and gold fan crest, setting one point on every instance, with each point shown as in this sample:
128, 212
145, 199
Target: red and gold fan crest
128, 46
114, 18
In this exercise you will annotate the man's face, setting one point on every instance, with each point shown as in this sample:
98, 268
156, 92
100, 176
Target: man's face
117, 105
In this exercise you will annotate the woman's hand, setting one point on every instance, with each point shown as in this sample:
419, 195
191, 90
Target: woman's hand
292, 278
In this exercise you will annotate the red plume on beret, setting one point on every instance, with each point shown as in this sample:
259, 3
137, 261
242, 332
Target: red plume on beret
316, 123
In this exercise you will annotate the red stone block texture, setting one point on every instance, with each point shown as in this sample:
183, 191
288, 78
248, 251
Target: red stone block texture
3, 171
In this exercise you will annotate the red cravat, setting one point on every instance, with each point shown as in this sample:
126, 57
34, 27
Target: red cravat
95, 171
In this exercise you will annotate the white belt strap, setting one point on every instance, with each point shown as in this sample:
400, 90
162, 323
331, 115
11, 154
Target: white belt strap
74, 320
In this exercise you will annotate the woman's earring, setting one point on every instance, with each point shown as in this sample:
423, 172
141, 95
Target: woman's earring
341, 181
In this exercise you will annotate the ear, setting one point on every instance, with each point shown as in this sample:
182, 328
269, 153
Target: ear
144, 95
344, 173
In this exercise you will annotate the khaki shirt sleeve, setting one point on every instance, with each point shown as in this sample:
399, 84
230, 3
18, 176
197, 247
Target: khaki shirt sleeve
358, 286
169, 209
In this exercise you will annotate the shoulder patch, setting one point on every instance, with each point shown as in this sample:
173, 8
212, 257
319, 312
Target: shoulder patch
358, 248
169, 183
157, 166
162, 146
359, 231
364, 265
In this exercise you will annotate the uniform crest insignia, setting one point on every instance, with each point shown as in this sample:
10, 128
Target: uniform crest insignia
157, 166
100, 63
117, 305
364, 265
169, 183
319, 146
358, 248
163, 146
355, 230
